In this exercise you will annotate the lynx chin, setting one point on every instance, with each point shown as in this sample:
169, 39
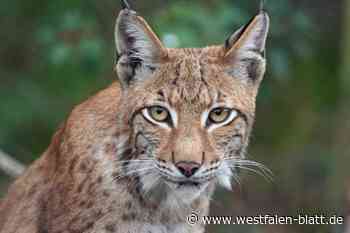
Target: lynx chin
142, 154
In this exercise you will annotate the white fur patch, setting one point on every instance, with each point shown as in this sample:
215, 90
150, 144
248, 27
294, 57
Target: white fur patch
183, 196
225, 176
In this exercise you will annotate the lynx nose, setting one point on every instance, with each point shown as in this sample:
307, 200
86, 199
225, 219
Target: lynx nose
187, 168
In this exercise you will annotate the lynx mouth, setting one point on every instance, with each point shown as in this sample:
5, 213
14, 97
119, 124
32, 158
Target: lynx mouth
188, 183
179, 184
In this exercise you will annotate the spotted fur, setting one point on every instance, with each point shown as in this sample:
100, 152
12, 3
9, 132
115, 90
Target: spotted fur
110, 168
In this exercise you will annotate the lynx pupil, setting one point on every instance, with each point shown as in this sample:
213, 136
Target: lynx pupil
159, 113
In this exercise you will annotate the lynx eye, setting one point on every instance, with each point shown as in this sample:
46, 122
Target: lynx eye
219, 115
158, 113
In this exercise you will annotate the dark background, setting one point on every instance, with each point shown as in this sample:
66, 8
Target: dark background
54, 54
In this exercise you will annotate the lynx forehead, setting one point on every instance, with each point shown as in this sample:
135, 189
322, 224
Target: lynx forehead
145, 152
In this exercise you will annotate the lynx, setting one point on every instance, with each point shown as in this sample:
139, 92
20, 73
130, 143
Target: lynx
141, 155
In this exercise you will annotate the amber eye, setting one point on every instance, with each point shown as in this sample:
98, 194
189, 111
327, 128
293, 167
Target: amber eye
219, 115
158, 113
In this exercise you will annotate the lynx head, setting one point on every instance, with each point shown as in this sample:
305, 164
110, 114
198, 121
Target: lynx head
189, 111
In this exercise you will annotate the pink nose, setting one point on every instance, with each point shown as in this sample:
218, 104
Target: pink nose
187, 168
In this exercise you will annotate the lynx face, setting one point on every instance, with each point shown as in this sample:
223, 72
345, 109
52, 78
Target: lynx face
189, 111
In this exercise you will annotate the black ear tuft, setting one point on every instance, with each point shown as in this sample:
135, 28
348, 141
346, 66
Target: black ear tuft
125, 4
262, 6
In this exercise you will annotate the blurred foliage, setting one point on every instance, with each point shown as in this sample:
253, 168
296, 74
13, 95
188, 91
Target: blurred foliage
54, 54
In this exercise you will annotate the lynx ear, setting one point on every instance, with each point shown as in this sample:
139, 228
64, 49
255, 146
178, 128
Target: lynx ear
139, 49
245, 49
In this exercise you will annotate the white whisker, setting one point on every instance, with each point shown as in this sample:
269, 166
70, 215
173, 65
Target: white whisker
258, 172
249, 162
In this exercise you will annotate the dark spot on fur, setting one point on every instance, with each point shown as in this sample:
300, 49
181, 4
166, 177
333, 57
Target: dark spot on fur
125, 217
128, 205
253, 68
32, 190
214, 161
129, 217
86, 180
72, 165
115, 174
88, 226
129, 39
42, 223
89, 204
111, 208
99, 179
80, 187
126, 154
110, 228
82, 203
161, 93
92, 189
106, 193
98, 214
133, 64
165, 219
137, 185
177, 74
83, 167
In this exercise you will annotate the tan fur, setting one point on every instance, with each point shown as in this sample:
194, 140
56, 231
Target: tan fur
90, 178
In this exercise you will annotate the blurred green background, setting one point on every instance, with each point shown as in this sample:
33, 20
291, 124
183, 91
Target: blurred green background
54, 54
